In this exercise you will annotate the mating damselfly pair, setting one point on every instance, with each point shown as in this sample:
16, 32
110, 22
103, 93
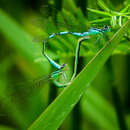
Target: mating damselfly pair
56, 27
83, 36
60, 69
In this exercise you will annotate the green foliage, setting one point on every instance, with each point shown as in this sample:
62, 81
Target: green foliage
115, 17
24, 105
61, 106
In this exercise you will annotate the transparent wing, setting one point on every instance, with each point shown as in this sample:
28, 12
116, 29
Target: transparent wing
27, 87
100, 40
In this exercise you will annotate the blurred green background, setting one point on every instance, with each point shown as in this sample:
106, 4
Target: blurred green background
105, 105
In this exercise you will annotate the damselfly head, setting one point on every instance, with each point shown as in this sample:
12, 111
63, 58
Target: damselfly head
63, 66
106, 28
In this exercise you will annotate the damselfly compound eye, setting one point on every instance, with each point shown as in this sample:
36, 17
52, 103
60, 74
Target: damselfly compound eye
106, 27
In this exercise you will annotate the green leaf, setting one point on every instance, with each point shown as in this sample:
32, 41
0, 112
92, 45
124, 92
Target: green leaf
102, 5
125, 9
54, 115
99, 12
100, 20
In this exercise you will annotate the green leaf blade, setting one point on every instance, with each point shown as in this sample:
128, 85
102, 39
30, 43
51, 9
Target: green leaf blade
54, 115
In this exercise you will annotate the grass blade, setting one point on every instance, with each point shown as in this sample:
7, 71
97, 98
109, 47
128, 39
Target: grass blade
102, 5
99, 12
54, 115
